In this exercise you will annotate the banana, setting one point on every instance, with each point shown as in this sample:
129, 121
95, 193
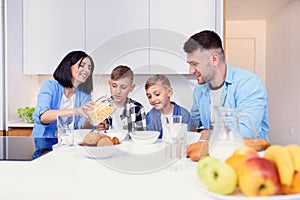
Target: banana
284, 163
294, 151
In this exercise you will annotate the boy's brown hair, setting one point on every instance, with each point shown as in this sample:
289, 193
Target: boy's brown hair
158, 79
121, 71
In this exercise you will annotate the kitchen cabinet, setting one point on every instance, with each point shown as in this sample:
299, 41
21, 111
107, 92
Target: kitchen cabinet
147, 35
19, 128
171, 24
17, 131
117, 33
51, 28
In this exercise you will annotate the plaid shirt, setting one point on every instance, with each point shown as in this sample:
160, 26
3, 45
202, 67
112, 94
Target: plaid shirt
133, 117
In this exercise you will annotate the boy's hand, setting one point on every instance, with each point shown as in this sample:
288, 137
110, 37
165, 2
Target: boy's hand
101, 126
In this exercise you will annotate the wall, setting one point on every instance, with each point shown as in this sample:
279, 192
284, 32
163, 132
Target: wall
282, 60
250, 29
277, 43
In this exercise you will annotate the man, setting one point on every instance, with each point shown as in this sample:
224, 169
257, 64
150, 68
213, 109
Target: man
222, 85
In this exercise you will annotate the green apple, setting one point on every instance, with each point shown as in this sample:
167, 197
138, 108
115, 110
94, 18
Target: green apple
258, 177
217, 176
203, 163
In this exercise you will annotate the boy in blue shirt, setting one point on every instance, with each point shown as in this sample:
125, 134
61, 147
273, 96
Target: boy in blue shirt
159, 91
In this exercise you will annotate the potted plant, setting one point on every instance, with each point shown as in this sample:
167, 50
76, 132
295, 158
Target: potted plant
26, 113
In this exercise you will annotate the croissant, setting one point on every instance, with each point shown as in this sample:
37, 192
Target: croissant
258, 144
198, 150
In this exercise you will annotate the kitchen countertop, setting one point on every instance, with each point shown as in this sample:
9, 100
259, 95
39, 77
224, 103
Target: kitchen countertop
19, 124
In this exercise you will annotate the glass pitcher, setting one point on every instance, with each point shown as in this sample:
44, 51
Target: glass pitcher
226, 136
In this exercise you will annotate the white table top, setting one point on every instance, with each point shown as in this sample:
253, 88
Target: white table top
69, 174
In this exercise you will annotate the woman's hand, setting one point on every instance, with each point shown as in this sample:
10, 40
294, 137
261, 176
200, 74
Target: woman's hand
83, 109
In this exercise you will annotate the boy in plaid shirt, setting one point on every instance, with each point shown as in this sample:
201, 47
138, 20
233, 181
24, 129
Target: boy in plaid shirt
129, 114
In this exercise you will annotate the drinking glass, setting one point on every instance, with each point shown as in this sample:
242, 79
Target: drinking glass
65, 130
174, 137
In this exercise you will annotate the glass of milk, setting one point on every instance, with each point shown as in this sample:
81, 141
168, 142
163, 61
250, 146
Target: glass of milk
65, 130
174, 137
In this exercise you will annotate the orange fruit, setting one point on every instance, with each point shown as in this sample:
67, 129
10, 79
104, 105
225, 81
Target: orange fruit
295, 188
236, 160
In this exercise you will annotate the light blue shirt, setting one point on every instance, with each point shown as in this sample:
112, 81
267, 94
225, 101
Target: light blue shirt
242, 89
49, 98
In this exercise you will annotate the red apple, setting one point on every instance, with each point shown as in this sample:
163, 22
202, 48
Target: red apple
258, 177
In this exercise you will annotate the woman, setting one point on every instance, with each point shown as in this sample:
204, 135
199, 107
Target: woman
68, 94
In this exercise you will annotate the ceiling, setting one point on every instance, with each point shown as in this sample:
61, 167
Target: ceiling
253, 9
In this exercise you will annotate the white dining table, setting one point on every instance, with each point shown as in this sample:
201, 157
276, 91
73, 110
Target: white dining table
72, 173
69, 173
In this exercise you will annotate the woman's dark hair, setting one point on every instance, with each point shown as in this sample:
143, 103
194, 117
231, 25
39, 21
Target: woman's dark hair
63, 72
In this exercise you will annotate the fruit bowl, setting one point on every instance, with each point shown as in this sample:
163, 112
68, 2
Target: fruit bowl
256, 176
144, 137
238, 195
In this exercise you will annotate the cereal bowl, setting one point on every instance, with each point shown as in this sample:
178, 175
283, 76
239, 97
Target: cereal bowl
144, 137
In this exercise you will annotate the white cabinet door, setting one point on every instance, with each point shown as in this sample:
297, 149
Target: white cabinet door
172, 22
147, 35
117, 33
52, 28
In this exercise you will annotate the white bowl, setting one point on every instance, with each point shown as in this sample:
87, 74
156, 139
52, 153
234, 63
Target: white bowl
144, 137
98, 152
